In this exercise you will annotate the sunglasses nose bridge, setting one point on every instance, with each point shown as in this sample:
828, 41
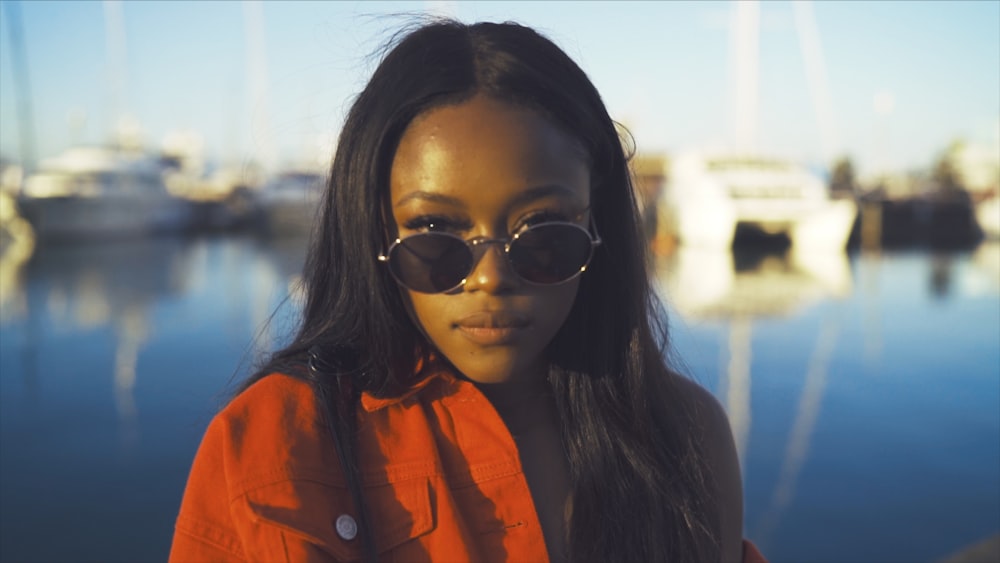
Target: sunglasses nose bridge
481, 245
482, 275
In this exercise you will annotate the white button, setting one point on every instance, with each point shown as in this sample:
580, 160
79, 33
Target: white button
347, 528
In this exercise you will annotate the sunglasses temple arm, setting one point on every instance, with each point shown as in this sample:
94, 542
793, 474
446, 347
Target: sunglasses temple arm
596, 240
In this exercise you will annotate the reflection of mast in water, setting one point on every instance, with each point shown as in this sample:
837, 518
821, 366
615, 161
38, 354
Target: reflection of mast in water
737, 392
81, 289
709, 286
869, 264
802, 428
267, 286
132, 331
278, 291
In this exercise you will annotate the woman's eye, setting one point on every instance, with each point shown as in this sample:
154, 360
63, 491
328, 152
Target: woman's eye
539, 217
427, 223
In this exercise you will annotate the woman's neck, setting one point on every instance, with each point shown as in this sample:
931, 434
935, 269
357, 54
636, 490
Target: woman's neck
528, 409
523, 404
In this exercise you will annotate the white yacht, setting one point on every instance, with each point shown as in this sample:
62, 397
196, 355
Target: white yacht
101, 192
709, 194
988, 216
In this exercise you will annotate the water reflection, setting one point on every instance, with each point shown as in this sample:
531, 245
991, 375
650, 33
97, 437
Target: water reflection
123, 351
277, 265
736, 382
941, 274
93, 287
116, 289
739, 289
706, 284
118, 357
131, 331
984, 275
806, 414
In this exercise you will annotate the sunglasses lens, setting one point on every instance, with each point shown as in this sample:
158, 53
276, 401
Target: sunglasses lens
549, 254
430, 262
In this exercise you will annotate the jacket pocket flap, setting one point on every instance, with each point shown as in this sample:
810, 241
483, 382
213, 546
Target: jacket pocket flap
309, 510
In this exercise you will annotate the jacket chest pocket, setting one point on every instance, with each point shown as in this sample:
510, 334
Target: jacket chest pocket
302, 520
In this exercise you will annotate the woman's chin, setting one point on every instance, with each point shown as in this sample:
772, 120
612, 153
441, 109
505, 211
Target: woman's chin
488, 376
491, 371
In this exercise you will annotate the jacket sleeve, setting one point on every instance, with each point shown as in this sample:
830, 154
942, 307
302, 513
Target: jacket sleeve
204, 530
262, 485
751, 554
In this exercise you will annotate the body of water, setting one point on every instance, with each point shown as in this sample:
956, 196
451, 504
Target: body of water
863, 390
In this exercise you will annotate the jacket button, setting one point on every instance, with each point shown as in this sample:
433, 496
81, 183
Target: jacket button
347, 528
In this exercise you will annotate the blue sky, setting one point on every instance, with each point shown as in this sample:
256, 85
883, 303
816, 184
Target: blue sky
663, 68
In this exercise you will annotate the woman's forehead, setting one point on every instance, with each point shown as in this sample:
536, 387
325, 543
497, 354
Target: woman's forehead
486, 149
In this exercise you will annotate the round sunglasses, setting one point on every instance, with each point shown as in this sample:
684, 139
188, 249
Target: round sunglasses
543, 254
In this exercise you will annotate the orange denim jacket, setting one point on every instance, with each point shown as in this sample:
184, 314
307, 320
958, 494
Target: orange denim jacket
440, 473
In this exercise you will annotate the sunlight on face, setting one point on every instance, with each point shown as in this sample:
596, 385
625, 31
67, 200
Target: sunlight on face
485, 168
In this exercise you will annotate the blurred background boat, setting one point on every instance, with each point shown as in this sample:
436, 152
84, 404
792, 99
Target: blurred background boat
953, 204
709, 195
103, 192
974, 168
988, 216
222, 194
288, 201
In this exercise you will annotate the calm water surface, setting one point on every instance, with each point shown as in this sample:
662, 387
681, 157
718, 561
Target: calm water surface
864, 391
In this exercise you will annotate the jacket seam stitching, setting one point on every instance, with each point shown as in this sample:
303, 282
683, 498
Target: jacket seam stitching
419, 471
208, 541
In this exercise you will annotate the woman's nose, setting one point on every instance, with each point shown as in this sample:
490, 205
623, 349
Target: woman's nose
492, 273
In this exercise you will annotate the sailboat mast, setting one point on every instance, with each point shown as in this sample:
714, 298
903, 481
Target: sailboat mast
123, 129
22, 86
812, 56
256, 63
746, 55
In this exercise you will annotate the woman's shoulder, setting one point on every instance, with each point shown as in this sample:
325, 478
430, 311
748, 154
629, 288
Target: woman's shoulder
271, 430
706, 410
265, 449
276, 395
711, 423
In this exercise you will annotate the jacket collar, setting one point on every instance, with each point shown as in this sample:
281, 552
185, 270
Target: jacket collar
427, 371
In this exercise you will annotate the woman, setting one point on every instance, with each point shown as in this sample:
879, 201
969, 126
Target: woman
478, 375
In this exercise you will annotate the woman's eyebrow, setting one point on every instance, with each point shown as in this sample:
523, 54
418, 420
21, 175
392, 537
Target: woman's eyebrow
431, 197
527, 196
540, 192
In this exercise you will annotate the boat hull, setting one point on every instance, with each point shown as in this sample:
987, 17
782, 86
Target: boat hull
105, 216
988, 217
707, 197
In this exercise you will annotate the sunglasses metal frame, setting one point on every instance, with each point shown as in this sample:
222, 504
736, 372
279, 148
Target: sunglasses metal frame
473, 243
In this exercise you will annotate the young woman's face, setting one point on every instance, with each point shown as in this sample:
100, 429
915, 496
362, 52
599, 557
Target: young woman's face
485, 168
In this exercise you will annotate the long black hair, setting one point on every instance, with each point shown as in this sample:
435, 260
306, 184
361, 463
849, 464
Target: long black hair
639, 485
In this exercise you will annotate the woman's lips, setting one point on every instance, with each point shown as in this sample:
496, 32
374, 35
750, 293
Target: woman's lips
492, 328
